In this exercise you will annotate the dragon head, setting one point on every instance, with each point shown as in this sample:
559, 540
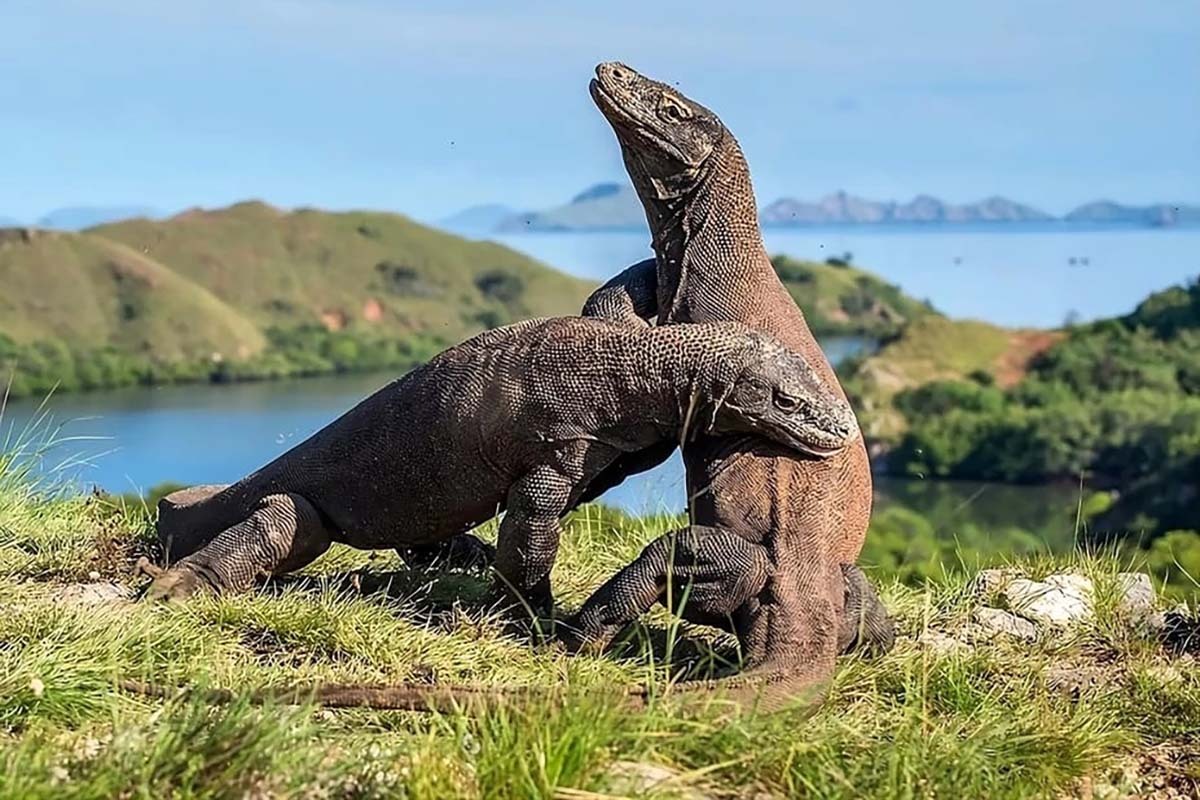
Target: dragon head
666, 139
778, 395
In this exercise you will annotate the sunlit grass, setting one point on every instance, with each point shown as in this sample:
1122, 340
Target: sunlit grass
987, 721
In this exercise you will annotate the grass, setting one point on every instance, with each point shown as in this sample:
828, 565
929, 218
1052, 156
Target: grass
989, 721
846, 299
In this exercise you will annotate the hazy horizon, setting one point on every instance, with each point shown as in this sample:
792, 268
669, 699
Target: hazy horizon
389, 106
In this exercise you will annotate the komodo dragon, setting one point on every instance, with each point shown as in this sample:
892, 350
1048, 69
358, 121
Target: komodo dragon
804, 516
519, 418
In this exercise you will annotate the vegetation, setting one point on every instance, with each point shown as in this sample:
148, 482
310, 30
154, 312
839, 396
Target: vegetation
46, 366
249, 292
1115, 403
840, 299
935, 349
920, 722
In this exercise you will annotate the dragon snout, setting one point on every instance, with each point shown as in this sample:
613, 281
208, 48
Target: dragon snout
616, 72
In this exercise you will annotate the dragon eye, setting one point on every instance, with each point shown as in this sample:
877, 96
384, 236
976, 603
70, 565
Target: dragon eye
785, 402
674, 110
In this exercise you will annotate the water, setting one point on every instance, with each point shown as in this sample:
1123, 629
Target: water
1022, 275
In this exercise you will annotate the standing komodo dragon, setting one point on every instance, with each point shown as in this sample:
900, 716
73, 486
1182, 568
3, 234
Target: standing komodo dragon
807, 515
520, 418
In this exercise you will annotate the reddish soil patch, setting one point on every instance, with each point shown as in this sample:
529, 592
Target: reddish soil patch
1023, 347
372, 310
333, 320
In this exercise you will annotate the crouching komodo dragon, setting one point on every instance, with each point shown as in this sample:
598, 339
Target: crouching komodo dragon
805, 516
520, 418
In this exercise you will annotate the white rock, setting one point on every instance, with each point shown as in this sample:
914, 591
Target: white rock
942, 643
988, 581
90, 594
1060, 600
1137, 596
995, 620
637, 778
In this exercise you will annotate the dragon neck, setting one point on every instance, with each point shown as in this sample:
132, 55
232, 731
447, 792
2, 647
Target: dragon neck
710, 232
693, 366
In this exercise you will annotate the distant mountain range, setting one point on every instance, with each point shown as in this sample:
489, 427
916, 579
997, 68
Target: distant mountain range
842, 207
615, 205
1159, 215
604, 205
77, 218
478, 219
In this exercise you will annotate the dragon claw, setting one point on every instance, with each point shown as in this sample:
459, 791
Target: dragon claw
148, 568
173, 584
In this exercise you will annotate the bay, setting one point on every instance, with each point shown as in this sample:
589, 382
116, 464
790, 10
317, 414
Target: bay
1013, 274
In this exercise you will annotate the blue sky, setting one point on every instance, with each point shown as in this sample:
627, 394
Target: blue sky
427, 108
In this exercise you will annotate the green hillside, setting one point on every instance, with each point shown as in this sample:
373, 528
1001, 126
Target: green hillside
252, 291
379, 271
87, 291
1113, 404
935, 348
840, 299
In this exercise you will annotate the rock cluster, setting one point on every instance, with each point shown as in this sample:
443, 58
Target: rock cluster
1017, 607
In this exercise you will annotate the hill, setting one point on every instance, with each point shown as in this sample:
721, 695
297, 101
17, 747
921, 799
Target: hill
90, 291
477, 220
934, 348
841, 299
376, 271
841, 207
1155, 215
1115, 403
254, 291
604, 205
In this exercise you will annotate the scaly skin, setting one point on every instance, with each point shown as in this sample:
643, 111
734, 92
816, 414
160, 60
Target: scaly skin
808, 516
521, 418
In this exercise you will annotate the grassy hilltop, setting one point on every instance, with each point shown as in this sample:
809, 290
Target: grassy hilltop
839, 298
252, 291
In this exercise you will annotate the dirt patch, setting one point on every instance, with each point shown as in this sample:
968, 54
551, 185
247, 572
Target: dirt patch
333, 320
372, 310
1023, 347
